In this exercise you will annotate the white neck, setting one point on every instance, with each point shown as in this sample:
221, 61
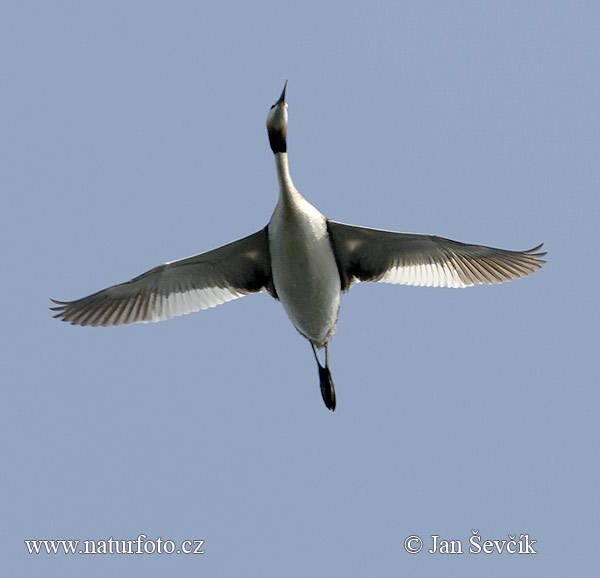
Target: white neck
288, 193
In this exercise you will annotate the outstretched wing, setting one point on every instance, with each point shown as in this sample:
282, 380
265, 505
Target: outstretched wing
178, 287
425, 260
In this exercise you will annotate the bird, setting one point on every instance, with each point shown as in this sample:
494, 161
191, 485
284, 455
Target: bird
302, 259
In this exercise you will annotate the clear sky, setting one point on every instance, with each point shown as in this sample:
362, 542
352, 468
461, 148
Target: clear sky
133, 133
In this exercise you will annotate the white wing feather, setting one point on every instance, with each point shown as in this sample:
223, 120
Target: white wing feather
424, 260
178, 287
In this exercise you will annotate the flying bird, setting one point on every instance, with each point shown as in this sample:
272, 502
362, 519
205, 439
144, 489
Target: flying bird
304, 260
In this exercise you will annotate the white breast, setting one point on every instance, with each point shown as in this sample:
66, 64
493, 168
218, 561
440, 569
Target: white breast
304, 270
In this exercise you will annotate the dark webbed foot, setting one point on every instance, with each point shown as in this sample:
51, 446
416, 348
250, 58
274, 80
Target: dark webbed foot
327, 388
326, 381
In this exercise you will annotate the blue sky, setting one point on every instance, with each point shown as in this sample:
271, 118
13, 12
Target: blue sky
134, 133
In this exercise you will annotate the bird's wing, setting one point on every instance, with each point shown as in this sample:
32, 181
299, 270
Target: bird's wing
178, 287
425, 260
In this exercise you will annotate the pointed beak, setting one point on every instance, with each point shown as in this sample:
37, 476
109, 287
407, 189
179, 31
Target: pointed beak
282, 97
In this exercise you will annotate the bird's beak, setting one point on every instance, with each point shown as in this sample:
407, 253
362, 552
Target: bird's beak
282, 97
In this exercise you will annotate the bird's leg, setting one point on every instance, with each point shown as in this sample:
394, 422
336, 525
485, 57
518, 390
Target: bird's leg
326, 381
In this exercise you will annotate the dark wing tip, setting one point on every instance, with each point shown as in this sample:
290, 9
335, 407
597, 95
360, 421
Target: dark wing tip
536, 250
57, 302
61, 306
536, 253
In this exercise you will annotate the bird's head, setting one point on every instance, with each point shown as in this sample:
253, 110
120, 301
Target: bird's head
277, 120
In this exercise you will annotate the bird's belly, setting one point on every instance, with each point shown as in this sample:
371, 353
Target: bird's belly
307, 281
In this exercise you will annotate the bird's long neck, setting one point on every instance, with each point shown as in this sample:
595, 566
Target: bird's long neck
288, 193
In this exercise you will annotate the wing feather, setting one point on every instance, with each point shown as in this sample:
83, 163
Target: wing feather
424, 260
178, 287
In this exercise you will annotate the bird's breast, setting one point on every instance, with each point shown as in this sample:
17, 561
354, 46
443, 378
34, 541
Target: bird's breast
305, 273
